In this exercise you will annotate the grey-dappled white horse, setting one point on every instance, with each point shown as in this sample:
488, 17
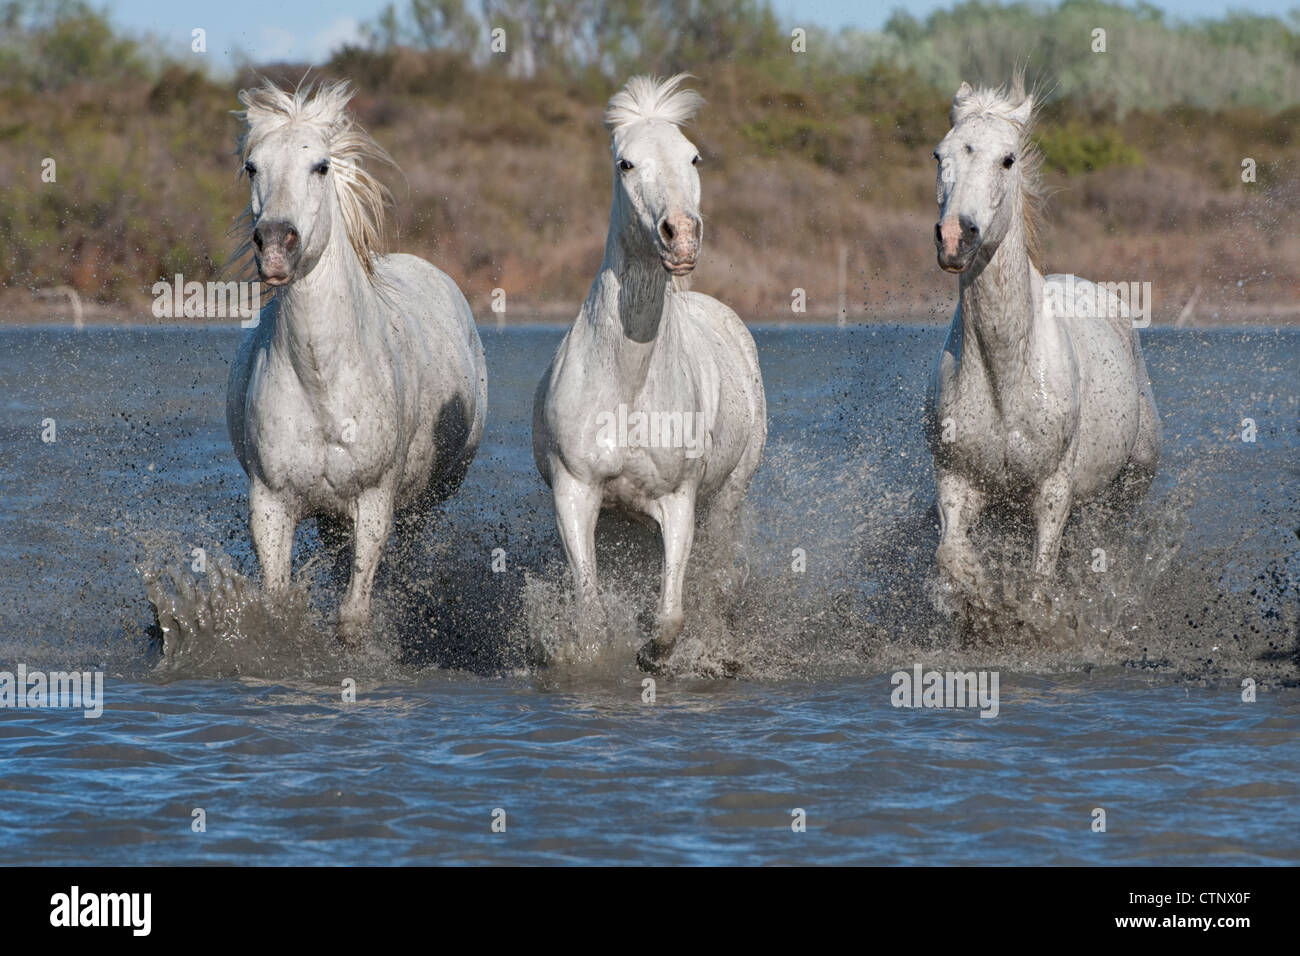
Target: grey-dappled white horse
654, 401
1032, 404
363, 387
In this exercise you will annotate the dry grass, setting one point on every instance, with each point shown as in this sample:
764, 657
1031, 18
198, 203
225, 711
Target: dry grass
507, 186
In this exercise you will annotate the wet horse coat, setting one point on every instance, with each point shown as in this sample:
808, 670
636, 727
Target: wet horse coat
643, 346
1031, 404
363, 388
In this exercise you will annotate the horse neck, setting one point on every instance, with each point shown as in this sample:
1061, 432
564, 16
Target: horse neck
629, 311
321, 326
999, 314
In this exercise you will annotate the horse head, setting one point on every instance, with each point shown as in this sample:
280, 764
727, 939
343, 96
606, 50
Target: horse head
656, 179
302, 153
987, 166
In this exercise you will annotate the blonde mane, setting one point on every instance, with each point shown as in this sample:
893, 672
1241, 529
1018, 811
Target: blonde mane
1001, 103
362, 198
650, 98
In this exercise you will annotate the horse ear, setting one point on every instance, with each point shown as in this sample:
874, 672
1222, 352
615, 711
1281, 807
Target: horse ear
963, 92
1022, 113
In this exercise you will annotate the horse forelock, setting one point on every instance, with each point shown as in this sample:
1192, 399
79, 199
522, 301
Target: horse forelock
645, 98
362, 198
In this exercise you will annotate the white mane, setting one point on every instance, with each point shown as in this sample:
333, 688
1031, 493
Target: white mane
362, 198
650, 98
996, 102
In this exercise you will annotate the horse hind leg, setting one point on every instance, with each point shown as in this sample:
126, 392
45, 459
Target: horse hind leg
718, 539
717, 546
1140, 469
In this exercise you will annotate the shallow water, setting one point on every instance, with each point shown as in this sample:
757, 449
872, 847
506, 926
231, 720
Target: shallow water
1129, 699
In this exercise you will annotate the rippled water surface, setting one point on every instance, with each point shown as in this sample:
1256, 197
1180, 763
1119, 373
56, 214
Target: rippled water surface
1128, 699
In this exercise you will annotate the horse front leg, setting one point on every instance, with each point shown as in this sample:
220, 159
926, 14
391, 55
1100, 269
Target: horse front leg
271, 522
372, 522
577, 507
960, 503
676, 516
1051, 509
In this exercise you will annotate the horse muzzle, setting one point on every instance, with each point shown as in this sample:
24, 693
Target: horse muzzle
678, 267
956, 265
680, 236
274, 279
956, 241
276, 250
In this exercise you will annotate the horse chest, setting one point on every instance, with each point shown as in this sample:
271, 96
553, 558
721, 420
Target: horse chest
650, 436
324, 448
1005, 446
645, 470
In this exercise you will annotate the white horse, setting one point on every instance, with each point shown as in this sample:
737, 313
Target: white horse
1040, 399
654, 401
363, 387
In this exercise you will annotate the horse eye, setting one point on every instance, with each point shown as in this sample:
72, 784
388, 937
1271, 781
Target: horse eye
321, 168
695, 161
250, 169
624, 165
1009, 161
935, 154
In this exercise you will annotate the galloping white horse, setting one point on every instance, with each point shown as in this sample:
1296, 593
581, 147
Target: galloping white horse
363, 386
654, 401
1035, 402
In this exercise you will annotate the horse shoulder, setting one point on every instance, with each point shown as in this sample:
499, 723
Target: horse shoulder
733, 364
426, 287
1109, 322
711, 315
432, 312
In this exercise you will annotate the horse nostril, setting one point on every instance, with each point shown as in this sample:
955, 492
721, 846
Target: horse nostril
667, 231
969, 227
291, 240
257, 238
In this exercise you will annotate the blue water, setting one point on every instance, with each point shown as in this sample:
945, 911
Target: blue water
1132, 705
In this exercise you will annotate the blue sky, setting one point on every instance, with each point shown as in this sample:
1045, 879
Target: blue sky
311, 29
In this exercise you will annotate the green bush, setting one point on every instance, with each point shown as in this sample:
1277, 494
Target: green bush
1073, 149
799, 136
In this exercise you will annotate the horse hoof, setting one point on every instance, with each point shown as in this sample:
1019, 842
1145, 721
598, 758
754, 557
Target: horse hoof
651, 656
351, 633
